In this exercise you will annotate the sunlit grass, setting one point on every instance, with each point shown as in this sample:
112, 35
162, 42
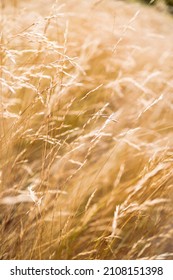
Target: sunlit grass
86, 131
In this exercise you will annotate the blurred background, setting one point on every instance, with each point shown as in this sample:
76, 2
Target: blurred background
161, 4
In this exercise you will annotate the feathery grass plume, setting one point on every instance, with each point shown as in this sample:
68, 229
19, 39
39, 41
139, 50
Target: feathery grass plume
86, 130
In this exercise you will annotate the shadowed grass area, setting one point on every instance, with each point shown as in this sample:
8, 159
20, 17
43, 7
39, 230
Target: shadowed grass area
86, 131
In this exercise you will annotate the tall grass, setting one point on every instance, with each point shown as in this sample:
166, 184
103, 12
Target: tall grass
86, 131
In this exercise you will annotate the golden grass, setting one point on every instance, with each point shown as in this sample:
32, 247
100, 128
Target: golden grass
86, 131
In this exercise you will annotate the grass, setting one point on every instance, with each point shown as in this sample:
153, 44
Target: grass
86, 131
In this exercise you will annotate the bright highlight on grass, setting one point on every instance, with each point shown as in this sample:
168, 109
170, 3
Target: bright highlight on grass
86, 110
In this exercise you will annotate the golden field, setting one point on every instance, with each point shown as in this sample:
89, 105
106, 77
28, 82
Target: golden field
86, 110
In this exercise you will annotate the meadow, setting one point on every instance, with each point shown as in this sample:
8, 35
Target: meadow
86, 149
